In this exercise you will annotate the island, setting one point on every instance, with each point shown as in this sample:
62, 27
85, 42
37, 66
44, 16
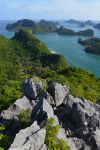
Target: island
92, 45
80, 23
64, 31
97, 26
42, 26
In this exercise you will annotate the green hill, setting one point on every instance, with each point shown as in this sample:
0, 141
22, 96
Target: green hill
25, 56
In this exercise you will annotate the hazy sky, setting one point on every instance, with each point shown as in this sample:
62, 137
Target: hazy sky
49, 9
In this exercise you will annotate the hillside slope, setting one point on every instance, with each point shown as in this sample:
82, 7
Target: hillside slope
25, 56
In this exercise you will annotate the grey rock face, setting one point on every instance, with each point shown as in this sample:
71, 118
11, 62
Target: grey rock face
14, 110
83, 118
70, 142
95, 140
58, 92
31, 138
30, 89
10, 117
79, 118
42, 111
48, 97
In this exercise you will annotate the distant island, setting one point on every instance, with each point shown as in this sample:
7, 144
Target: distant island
42, 26
64, 31
97, 26
80, 23
45, 26
92, 45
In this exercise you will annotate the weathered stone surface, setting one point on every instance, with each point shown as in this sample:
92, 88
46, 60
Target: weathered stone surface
42, 111
15, 109
10, 117
62, 135
39, 85
83, 119
31, 138
30, 89
79, 118
58, 92
48, 97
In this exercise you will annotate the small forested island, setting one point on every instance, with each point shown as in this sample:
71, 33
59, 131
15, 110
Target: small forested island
42, 26
73, 21
80, 23
97, 26
92, 45
64, 31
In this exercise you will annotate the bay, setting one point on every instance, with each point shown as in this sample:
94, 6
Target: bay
67, 46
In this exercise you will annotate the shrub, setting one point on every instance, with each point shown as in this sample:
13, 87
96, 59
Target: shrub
51, 139
5, 140
25, 117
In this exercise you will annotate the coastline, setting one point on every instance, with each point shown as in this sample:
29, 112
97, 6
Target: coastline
52, 51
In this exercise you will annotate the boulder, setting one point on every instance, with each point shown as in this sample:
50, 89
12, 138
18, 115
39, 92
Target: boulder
31, 138
42, 111
30, 89
95, 140
48, 97
10, 117
58, 92
77, 116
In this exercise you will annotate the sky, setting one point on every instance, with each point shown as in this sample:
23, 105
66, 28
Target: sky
50, 9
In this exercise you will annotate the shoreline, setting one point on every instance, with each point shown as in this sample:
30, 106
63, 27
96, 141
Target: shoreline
52, 51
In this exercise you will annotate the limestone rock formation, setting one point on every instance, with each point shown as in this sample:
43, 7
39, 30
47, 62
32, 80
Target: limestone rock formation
79, 119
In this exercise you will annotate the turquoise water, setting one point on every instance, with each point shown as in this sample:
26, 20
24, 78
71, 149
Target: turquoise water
74, 52
67, 46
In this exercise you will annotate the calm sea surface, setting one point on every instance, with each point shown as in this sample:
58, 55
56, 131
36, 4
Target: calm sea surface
67, 46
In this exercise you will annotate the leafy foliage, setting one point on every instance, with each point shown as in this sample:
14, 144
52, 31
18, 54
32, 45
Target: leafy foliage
52, 140
25, 117
5, 140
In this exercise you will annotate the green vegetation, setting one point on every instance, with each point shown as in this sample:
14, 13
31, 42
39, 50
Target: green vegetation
81, 82
5, 140
25, 117
42, 26
93, 45
64, 31
51, 139
18, 57
25, 56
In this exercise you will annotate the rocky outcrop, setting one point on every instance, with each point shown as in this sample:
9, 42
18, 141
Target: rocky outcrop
79, 118
31, 138
30, 89
58, 92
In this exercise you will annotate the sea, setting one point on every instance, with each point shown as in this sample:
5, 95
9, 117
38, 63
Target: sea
66, 45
